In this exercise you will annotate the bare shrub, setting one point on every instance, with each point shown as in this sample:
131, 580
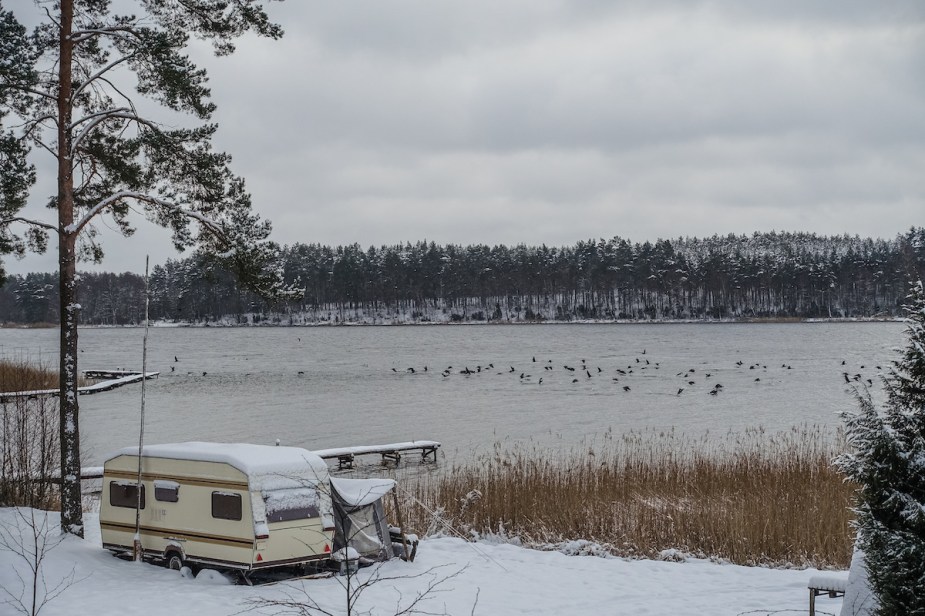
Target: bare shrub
30, 455
29, 537
752, 498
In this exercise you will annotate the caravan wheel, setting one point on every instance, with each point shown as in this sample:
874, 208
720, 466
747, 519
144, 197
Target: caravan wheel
173, 561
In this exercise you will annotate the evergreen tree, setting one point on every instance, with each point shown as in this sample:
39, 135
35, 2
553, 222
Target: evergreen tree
889, 464
64, 90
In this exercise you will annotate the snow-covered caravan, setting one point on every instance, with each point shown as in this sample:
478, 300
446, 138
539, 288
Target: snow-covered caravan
237, 506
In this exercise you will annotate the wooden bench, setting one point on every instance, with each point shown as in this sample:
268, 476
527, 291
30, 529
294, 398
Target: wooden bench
831, 585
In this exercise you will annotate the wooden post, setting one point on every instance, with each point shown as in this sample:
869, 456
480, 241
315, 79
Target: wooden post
401, 526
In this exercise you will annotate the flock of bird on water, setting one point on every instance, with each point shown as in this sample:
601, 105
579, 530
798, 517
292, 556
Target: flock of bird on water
620, 377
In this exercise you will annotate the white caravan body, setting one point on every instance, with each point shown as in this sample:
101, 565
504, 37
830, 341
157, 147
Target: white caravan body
236, 506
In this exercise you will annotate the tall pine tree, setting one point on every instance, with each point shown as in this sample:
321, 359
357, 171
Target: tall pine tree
888, 463
66, 90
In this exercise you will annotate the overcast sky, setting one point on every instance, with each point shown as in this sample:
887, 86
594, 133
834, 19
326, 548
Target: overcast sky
542, 121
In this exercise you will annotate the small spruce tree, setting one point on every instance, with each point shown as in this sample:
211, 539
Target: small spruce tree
888, 462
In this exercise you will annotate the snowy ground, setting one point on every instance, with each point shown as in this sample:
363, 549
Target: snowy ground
481, 578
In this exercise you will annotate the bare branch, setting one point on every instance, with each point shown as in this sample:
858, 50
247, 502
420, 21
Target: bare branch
98, 118
99, 74
34, 223
78, 36
45, 95
212, 226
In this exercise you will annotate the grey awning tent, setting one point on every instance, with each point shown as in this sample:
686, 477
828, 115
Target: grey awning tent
359, 516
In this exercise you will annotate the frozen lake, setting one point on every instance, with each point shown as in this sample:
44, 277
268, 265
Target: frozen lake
335, 386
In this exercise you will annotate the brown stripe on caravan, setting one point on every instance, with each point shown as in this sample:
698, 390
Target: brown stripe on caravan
180, 534
231, 564
195, 481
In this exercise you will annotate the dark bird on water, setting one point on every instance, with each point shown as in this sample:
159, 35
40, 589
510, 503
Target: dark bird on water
574, 380
204, 373
680, 389
175, 358
588, 372
512, 369
411, 370
599, 369
394, 370
843, 362
691, 383
845, 374
757, 379
713, 392
739, 363
637, 360
626, 388
301, 372
425, 368
172, 368
521, 375
540, 381
534, 359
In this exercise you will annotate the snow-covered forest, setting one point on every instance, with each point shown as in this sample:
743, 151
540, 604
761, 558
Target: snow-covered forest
765, 275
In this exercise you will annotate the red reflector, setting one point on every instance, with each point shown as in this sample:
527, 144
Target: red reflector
327, 549
259, 557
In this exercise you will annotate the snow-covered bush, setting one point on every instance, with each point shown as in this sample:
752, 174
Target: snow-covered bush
888, 462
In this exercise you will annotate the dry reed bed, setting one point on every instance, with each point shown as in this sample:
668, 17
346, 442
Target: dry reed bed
17, 375
754, 498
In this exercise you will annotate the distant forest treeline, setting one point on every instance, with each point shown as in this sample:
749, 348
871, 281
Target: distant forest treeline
771, 275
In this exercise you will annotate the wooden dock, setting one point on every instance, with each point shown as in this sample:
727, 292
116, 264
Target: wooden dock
345, 456
391, 452
114, 379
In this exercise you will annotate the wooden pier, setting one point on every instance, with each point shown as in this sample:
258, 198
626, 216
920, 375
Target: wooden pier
114, 378
345, 456
391, 452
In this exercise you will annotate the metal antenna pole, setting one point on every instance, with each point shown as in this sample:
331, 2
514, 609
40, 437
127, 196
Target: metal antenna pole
136, 543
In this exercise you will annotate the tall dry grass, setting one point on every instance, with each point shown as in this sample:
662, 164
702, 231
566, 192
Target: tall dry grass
23, 375
754, 498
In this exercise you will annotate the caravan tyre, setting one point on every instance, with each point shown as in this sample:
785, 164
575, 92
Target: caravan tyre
174, 562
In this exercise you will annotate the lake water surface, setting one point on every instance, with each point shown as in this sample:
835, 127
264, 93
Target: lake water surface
320, 387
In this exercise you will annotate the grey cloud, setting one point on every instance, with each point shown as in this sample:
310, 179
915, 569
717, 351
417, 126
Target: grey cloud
552, 121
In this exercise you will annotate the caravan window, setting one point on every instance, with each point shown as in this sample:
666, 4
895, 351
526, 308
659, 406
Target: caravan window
226, 506
166, 491
293, 504
125, 494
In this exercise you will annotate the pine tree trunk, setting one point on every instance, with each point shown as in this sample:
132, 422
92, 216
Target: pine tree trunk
71, 509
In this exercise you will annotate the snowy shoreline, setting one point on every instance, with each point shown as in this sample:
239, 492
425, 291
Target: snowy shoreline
484, 577
413, 323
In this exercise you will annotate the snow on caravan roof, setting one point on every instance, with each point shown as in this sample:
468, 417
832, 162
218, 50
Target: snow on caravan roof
267, 467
